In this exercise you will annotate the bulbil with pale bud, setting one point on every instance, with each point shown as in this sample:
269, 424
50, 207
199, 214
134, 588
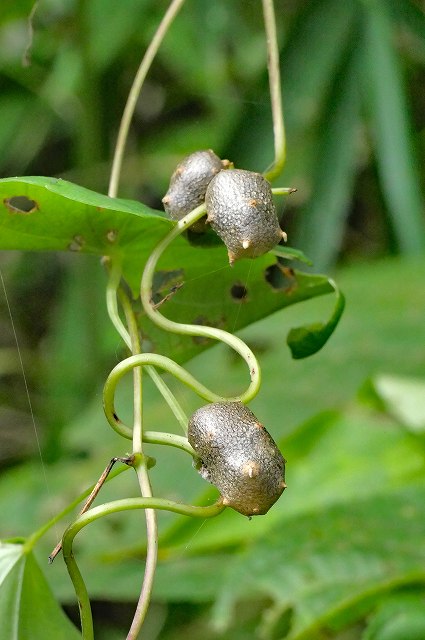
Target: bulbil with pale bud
189, 183
238, 456
241, 211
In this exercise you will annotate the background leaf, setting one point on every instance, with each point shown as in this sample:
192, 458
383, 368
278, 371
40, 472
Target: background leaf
402, 397
399, 616
321, 227
320, 562
397, 163
27, 606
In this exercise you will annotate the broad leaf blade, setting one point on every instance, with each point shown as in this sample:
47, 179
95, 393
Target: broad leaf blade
321, 225
66, 217
47, 214
332, 459
27, 606
325, 560
399, 617
403, 398
237, 296
387, 102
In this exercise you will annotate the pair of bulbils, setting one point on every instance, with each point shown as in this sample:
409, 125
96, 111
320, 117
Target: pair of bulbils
239, 203
235, 452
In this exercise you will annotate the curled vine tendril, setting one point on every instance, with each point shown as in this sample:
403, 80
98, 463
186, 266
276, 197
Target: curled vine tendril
164, 363
151, 362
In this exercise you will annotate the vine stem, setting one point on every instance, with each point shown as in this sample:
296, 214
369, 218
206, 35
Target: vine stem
275, 91
134, 93
141, 468
162, 362
116, 506
112, 291
193, 330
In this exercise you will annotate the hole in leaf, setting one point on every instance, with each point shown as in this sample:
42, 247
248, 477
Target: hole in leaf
76, 244
280, 278
21, 204
239, 292
112, 235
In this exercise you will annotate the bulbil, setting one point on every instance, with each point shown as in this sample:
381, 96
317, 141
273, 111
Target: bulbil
238, 456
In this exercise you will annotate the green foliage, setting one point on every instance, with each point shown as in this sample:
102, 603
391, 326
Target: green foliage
351, 77
346, 533
341, 554
400, 616
47, 214
304, 341
28, 608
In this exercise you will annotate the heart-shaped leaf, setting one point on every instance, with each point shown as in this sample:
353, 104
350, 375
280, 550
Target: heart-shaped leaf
40, 214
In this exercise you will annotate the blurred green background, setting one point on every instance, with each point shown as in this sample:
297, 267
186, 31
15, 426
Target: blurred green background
340, 555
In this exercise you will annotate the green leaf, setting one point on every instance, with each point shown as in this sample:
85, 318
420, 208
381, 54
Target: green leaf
237, 296
403, 398
28, 609
322, 222
331, 559
289, 253
48, 214
387, 102
400, 617
307, 340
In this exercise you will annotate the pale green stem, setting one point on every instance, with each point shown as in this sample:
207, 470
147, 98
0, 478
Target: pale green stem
140, 466
80, 589
129, 504
115, 507
151, 554
134, 93
283, 191
170, 439
194, 330
137, 379
162, 362
111, 302
275, 91
162, 387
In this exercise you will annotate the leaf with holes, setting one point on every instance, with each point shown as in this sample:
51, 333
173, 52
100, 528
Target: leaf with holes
27, 606
42, 214
47, 214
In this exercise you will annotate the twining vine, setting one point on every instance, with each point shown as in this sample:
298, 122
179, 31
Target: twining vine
228, 445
